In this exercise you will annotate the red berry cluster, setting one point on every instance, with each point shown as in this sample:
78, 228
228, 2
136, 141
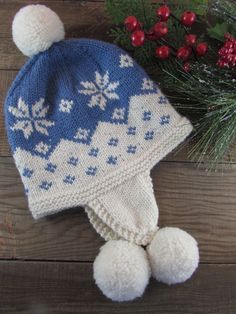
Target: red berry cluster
160, 30
227, 53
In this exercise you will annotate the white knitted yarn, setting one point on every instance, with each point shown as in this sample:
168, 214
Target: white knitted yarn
130, 210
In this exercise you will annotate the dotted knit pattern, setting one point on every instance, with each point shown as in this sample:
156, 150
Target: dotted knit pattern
83, 117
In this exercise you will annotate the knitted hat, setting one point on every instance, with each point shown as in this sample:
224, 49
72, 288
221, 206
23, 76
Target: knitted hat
86, 125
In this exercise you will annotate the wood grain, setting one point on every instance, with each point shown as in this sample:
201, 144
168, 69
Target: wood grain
189, 198
62, 288
81, 19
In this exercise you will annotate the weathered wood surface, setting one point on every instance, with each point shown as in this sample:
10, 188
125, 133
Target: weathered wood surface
62, 288
56, 274
188, 198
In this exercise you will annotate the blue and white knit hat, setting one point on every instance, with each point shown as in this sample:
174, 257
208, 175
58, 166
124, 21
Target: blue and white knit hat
86, 125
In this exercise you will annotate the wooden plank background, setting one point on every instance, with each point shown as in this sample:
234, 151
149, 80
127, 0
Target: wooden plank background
46, 265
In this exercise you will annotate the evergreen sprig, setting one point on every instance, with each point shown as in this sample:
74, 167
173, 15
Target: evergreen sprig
207, 94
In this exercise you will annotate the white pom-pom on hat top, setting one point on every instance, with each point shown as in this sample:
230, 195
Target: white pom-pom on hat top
173, 255
35, 28
121, 270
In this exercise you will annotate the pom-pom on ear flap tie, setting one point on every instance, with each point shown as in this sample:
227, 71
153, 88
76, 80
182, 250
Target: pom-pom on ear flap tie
121, 270
173, 255
35, 28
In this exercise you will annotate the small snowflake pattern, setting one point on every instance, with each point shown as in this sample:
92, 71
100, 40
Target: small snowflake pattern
91, 171
82, 134
131, 130
126, 61
147, 84
27, 172
112, 160
165, 119
66, 105
93, 152
45, 185
163, 100
69, 179
100, 91
118, 114
131, 149
73, 161
42, 148
147, 115
149, 135
29, 119
113, 141
51, 167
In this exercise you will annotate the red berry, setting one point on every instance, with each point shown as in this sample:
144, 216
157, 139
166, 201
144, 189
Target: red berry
138, 38
201, 49
188, 18
163, 52
163, 13
131, 23
222, 63
223, 52
184, 53
228, 44
186, 67
160, 29
190, 39
229, 58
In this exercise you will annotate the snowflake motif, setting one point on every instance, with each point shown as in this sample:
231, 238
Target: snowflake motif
126, 61
118, 114
131, 130
147, 84
27, 172
165, 119
149, 135
100, 91
51, 167
66, 105
162, 100
113, 141
42, 148
82, 134
69, 179
147, 115
28, 120
73, 161
111, 160
131, 149
91, 171
93, 152
45, 185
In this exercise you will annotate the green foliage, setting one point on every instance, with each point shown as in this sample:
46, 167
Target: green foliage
207, 94
218, 30
224, 12
120, 9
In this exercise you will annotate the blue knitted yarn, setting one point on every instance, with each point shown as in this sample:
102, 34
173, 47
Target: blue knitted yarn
56, 75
